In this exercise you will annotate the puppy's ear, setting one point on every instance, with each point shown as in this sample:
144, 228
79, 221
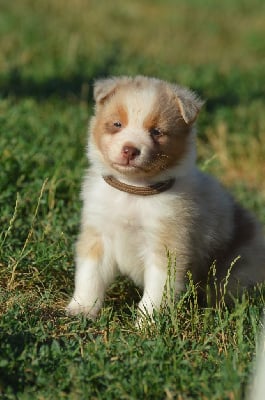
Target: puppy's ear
104, 88
188, 102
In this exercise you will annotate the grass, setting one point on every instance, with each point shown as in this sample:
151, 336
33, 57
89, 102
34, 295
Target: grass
51, 51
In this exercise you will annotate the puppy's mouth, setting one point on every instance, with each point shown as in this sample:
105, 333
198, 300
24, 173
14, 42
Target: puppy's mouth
148, 166
129, 167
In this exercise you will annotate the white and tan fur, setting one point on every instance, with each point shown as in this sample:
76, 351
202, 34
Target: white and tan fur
195, 220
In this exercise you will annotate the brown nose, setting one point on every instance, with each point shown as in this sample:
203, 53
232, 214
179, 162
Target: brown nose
130, 152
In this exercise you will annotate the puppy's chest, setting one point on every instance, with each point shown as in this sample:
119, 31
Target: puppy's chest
131, 228
135, 226
130, 238
131, 223
129, 219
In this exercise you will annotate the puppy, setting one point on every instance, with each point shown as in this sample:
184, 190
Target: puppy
144, 198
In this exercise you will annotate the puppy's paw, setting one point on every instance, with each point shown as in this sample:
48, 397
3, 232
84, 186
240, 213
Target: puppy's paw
75, 308
143, 319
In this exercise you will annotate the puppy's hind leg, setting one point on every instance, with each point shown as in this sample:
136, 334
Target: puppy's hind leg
92, 275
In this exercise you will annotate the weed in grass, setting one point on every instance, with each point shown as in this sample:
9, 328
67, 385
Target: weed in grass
15, 263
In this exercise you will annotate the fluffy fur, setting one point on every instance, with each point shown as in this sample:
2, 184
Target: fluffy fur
143, 133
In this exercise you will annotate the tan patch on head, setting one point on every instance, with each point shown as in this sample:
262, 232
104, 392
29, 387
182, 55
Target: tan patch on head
89, 244
107, 117
119, 116
172, 144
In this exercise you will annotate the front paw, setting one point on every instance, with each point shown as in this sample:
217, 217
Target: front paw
143, 321
75, 307
144, 316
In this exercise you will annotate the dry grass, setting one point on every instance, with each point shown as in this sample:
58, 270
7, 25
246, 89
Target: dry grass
244, 162
234, 159
234, 145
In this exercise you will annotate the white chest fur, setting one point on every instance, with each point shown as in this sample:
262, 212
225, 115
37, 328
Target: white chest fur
129, 224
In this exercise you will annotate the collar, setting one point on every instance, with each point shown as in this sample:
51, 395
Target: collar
149, 190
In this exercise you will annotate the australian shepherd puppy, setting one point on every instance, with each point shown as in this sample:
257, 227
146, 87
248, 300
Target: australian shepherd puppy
144, 199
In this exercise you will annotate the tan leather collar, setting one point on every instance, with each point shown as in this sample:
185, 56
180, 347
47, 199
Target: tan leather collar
150, 190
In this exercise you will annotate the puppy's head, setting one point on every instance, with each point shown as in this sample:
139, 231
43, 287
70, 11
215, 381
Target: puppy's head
142, 126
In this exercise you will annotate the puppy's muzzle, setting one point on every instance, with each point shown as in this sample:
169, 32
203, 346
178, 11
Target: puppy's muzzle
130, 152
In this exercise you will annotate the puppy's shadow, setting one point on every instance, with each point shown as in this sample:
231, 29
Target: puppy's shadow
123, 296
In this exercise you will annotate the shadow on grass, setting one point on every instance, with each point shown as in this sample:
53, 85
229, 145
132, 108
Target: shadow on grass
10, 370
14, 84
226, 89
64, 84
122, 296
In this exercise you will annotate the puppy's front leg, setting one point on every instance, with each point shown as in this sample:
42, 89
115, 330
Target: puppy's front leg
91, 276
89, 289
155, 278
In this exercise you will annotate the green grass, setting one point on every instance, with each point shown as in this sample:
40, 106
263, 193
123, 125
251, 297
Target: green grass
50, 53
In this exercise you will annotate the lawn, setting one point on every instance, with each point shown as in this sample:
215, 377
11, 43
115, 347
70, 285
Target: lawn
50, 54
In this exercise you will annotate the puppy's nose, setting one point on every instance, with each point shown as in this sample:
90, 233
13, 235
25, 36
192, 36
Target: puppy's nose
130, 152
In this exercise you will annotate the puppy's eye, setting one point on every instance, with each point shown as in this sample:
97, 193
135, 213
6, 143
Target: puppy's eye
117, 124
156, 132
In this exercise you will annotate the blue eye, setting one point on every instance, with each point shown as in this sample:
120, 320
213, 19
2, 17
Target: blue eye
117, 124
155, 132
